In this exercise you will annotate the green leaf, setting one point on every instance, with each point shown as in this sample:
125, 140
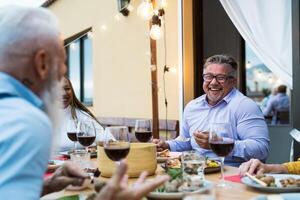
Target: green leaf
74, 197
174, 173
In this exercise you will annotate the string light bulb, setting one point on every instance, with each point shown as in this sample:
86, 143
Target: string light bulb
155, 32
90, 35
163, 3
73, 46
145, 10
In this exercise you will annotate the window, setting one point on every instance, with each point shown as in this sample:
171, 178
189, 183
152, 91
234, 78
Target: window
80, 68
262, 86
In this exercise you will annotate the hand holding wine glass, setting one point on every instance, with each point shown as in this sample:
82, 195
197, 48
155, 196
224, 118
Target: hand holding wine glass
143, 130
221, 142
116, 143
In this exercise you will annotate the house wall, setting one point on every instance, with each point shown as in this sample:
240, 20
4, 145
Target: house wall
121, 56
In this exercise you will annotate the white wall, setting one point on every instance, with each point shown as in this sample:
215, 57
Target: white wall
121, 61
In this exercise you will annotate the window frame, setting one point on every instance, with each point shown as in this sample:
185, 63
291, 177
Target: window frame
81, 37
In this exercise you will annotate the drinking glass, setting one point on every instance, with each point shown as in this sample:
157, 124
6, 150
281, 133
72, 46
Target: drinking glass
72, 131
116, 143
193, 169
221, 143
143, 130
86, 133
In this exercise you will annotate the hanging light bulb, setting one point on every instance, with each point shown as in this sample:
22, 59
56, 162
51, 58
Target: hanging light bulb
248, 65
173, 70
130, 7
90, 35
155, 32
163, 3
73, 46
145, 10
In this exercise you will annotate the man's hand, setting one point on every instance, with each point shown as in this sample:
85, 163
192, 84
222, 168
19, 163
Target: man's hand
160, 144
201, 139
67, 174
255, 166
117, 187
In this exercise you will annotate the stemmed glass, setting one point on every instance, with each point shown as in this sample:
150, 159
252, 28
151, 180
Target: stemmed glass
86, 133
221, 142
116, 143
72, 131
143, 130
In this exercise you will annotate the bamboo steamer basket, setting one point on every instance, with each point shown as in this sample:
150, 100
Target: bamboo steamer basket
141, 157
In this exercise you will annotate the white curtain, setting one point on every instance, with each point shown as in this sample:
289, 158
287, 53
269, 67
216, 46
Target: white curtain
266, 26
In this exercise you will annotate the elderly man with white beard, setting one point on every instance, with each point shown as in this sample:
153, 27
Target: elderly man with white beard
32, 65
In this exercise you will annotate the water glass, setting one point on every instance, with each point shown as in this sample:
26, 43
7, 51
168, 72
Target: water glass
193, 169
81, 158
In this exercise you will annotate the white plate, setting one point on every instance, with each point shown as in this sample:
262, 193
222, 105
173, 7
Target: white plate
178, 195
172, 155
279, 189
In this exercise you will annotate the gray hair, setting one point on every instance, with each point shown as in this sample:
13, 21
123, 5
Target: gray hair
24, 30
223, 60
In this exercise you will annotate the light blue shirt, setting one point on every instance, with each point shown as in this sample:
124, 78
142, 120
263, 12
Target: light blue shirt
279, 102
25, 141
247, 122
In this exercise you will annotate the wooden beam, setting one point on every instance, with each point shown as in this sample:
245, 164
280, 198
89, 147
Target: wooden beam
154, 88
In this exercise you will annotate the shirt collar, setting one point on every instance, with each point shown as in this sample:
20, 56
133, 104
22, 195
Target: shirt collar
227, 98
12, 87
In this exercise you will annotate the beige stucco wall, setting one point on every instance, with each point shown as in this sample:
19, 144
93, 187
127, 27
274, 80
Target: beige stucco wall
121, 61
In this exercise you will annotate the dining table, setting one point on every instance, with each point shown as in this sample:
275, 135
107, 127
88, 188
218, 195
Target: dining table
236, 191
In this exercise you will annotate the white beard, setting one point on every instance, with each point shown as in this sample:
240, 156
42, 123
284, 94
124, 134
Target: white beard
52, 99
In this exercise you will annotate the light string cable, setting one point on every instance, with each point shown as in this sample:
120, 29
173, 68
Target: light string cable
165, 70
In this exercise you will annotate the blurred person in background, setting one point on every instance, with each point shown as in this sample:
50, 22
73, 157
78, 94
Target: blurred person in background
32, 65
277, 104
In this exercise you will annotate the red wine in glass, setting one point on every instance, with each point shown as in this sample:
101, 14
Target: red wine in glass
86, 133
72, 136
221, 148
221, 142
86, 140
116, 143
143, 130
116, 153
143, 136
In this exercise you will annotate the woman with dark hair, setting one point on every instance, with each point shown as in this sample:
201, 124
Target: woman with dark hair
75, 110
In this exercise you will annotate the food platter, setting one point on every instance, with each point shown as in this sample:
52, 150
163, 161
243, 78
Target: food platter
278, 189
178, 195
169, 155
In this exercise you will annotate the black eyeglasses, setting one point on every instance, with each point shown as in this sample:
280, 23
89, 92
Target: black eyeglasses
221, 78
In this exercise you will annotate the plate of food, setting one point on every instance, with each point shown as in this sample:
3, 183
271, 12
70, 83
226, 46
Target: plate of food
166, 154
212, 166
276, 183
173, 190
92, 150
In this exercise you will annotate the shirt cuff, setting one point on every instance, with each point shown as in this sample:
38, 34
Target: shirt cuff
172, 145
238, 149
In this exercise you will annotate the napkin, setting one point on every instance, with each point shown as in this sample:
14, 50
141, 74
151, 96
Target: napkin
234, 178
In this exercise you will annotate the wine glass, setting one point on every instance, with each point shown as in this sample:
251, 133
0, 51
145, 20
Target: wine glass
72, 131
143, 130
221, 143
86, 133
116, 143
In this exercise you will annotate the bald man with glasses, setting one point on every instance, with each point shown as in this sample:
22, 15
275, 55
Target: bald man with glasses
222, 102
